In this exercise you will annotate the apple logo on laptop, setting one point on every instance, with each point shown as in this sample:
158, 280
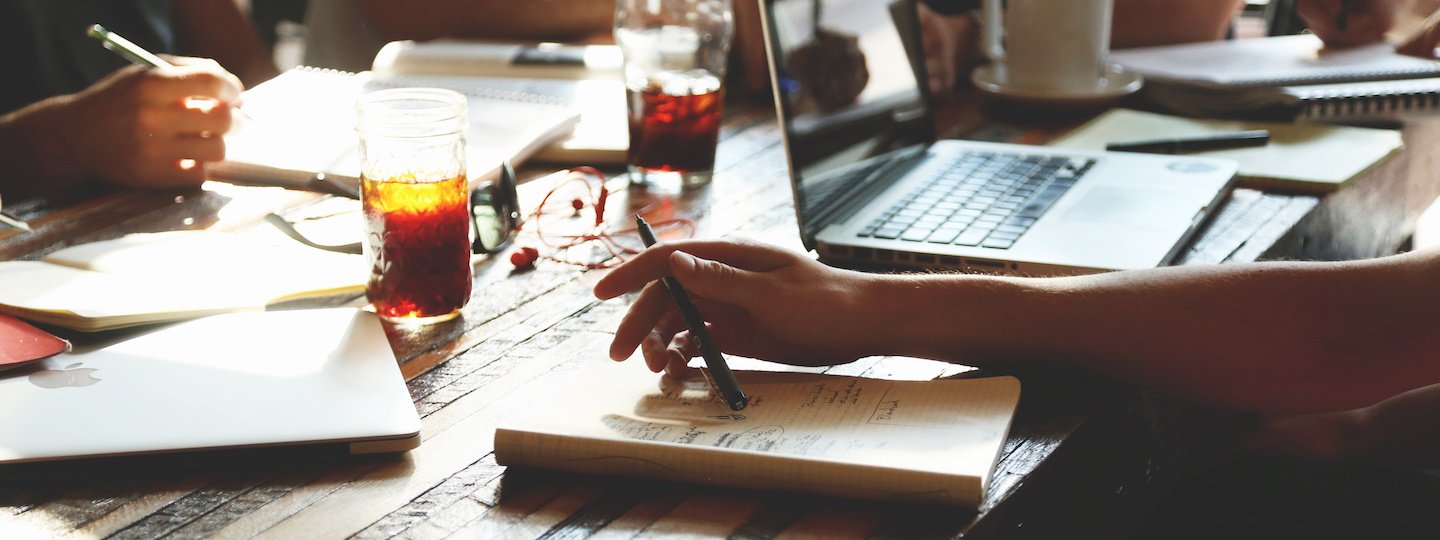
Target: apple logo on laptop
61, 378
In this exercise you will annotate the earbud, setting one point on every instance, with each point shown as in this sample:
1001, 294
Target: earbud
524, 257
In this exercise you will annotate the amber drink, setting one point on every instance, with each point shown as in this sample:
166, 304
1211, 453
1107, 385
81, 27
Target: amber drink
675, 53
416, 202
675, 123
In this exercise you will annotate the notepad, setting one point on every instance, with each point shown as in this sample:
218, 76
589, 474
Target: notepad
588, 77
927, 441
1272, 61
151, 278
1303, 157
1286, 78
303, 122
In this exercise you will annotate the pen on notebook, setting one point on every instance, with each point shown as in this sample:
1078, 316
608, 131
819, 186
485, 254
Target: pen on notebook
134, 53
723, 378
1182, 145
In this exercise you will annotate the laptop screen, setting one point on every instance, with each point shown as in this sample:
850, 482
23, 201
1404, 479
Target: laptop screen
849, 93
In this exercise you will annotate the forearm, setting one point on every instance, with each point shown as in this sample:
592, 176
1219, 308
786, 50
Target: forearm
536, 19
35, 160
1270, 336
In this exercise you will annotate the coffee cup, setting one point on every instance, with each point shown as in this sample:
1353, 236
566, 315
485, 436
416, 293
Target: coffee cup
1051, 46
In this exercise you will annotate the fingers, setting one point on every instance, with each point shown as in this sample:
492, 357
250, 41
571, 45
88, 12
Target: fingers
719, 281
654, 263
201, 149
1423, 43
197, 78
198, 121
652, 304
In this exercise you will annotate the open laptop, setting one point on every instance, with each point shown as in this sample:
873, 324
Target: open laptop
242, 380
872, 186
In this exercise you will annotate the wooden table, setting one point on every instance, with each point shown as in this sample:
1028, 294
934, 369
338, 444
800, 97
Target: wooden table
1082, 459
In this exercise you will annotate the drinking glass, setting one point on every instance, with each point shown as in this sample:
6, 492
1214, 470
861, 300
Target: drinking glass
675, 52
416, 203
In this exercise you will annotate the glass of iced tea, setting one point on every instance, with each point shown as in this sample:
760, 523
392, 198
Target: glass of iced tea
416, 203
675, 53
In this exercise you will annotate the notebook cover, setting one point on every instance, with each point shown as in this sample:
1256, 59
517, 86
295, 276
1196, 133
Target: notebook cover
21, 344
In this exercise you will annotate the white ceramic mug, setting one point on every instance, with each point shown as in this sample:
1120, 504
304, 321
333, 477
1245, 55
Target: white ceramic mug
1048, 45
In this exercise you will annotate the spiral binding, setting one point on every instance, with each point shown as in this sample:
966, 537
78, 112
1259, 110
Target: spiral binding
1381, 100
472, 90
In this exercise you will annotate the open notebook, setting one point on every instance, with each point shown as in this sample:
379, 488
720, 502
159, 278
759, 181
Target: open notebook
928, 441
303, 122
1285, 78
586, 76
161, 277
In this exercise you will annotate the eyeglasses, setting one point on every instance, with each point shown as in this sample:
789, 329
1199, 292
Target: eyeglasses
494, 218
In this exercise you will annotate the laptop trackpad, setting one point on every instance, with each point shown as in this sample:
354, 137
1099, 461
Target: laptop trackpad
1137, 208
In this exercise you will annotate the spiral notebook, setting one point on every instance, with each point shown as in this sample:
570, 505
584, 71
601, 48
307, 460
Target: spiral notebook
1286, 78
302, 123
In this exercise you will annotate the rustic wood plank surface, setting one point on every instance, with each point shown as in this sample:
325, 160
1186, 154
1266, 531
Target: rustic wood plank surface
523, 330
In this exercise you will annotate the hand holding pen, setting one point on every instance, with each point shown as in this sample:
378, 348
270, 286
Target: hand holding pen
144, 126
719, 374
758, 301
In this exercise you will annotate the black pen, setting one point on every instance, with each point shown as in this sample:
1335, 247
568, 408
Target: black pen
1342, 18
723, 379
1184, 145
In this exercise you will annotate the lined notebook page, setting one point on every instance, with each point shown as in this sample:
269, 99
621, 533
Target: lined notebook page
935, 441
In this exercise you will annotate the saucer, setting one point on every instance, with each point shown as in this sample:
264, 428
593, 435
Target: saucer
1116, 84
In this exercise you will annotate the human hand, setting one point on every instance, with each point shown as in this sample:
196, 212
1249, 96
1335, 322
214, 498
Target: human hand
760, 301
1366, 21
1423, 43
148, 128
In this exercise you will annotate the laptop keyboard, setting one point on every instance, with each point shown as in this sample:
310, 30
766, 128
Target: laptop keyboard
985, 199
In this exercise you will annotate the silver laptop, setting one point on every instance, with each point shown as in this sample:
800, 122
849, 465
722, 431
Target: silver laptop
232, 381
872, 186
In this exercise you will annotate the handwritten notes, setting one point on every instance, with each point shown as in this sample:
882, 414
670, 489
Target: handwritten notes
845, 436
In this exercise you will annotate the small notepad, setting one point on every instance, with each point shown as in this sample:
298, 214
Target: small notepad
1306, 157
930, 441
1273, 61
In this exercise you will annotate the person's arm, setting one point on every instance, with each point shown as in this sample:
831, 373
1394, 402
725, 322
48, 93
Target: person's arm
217, 29
132, 128
1268, 337
562, 20
1141, 23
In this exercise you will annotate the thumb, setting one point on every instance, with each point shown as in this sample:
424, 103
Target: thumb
716, 280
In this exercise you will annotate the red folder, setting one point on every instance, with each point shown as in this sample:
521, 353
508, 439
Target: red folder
21, 344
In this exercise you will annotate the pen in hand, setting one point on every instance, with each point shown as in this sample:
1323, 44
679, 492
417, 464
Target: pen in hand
1342, 16
135, 53
723, 379
15, 223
